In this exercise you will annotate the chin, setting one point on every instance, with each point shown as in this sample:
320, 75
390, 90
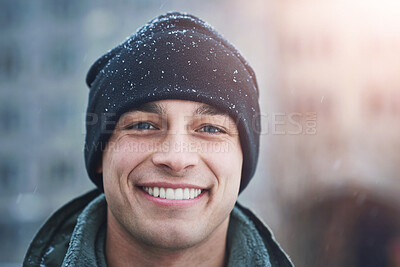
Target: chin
174, 238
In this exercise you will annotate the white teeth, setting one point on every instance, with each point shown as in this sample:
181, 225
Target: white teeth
170, 193
179, 193
156, 191
186, 193
191, 192
162, 192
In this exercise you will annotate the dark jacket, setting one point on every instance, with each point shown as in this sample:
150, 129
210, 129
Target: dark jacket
75, 236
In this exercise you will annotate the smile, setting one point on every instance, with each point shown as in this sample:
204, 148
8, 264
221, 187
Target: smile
171, 193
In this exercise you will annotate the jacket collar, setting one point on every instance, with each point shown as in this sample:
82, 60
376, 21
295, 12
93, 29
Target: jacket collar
75, 236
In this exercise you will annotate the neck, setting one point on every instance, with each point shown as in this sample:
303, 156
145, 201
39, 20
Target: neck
123, 250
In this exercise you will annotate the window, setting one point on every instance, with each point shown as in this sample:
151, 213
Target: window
8, 175
64, 9
10, 61
61, 171
61, 58
9, 118
11, 13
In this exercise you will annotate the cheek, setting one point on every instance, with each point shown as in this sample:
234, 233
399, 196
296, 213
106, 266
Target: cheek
120, 159
226, 164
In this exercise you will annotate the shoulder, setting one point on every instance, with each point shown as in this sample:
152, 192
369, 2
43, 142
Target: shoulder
248, 233
51, 241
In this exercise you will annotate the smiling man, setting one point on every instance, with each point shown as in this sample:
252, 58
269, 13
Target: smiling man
172, 138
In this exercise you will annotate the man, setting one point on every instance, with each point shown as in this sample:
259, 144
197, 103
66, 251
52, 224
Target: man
172, 138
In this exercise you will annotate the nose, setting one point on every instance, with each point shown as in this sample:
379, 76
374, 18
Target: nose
176, 154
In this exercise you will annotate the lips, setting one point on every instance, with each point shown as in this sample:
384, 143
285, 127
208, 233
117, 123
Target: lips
173, 193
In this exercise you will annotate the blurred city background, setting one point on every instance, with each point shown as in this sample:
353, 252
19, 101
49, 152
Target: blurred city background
327, 181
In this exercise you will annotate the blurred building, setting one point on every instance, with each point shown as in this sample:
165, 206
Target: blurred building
41, 105
336, 160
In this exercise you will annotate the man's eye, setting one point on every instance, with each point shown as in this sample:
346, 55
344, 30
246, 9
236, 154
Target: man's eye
211, 129
141, 125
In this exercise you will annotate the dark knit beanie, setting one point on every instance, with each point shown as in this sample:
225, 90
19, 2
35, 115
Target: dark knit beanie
174, 56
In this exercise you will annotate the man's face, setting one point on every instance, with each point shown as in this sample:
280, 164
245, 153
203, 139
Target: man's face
171, 173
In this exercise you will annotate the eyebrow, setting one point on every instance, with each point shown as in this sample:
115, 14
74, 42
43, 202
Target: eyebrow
205, 109
158, 109
150, 107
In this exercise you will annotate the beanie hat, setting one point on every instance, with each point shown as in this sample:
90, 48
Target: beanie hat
174, 56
